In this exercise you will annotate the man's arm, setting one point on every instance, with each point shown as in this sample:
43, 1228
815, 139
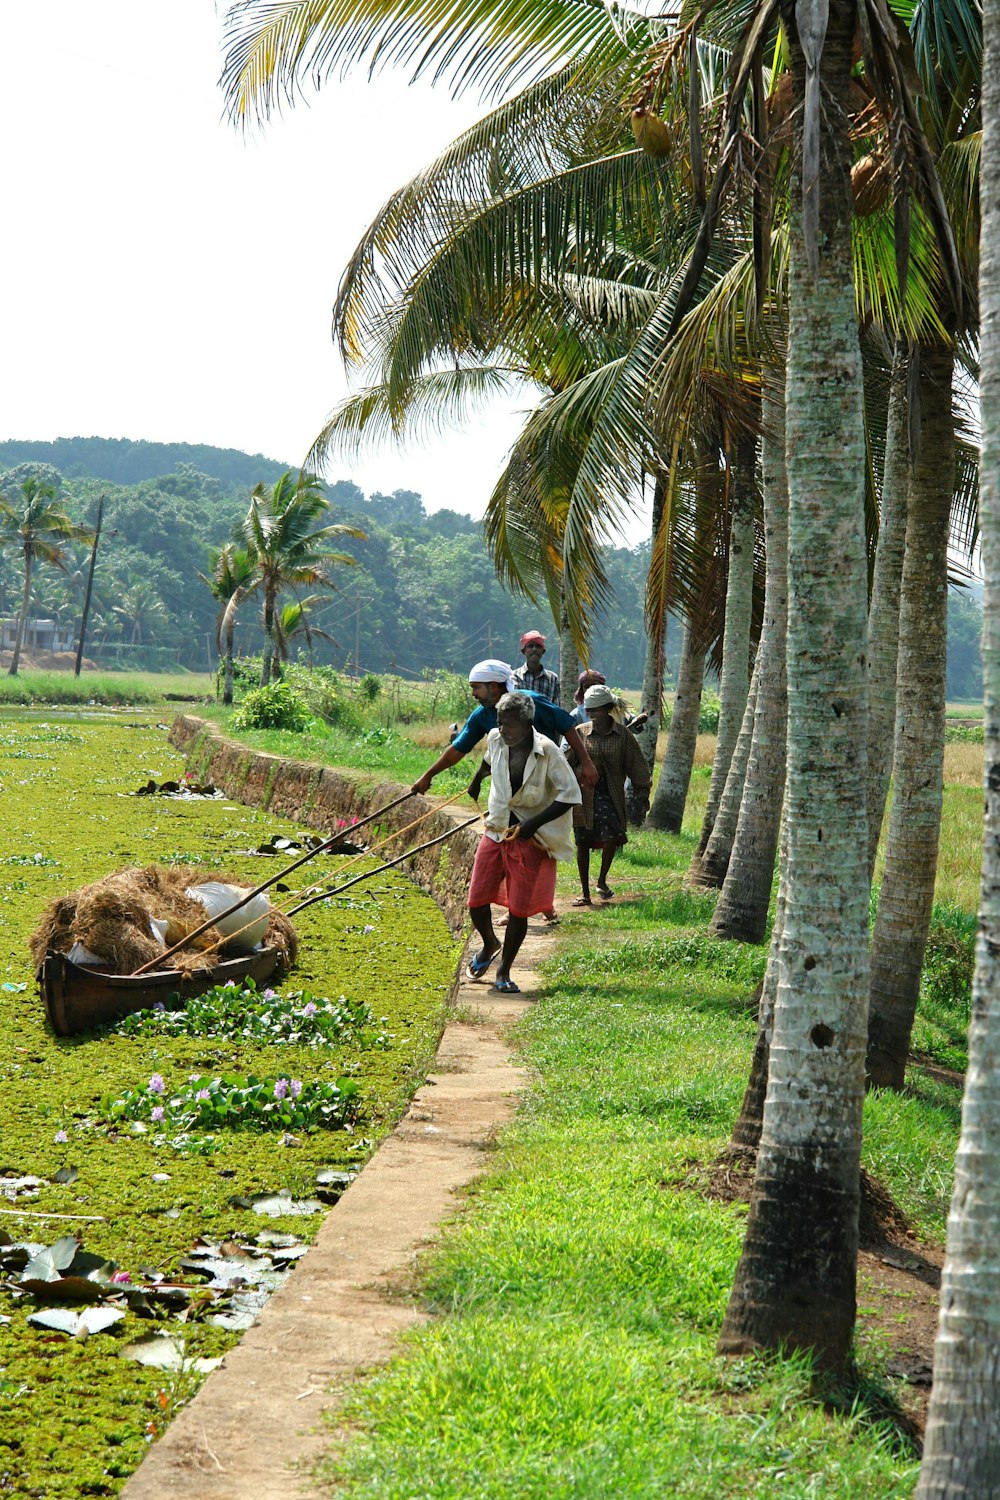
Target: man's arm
449, 757
476, 784
531, 825
588, 771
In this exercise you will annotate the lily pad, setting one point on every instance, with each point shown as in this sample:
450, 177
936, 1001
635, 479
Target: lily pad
77, 1325
278, 1205
161, 1352
66, 1289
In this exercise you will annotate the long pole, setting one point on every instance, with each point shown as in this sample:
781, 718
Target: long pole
90, 586
154, 963
366, 874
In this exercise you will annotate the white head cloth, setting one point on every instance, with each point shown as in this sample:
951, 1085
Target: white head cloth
493, 670
600, 696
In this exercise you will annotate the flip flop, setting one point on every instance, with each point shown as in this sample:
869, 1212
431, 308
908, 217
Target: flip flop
476, 969
505, 987
605, 895
582, 901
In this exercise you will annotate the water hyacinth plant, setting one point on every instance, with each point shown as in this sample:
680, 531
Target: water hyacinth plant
237, 1101
242, 1013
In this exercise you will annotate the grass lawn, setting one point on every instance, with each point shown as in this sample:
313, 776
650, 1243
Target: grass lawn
579, 1298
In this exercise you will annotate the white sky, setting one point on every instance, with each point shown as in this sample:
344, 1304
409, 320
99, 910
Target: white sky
165, 277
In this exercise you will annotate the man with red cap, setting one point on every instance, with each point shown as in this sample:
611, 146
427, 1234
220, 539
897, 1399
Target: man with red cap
533, 677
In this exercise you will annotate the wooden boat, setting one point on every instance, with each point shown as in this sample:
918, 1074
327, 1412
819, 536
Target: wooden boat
78, 998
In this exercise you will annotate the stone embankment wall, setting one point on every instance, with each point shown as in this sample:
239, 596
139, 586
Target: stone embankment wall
317, 796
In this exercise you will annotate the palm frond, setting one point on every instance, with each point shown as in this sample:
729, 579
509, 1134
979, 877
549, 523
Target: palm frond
272, 45
434, 402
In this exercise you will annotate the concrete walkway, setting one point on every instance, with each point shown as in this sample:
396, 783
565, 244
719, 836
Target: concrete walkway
256, 1427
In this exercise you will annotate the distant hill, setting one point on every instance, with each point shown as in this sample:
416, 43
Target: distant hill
128, 461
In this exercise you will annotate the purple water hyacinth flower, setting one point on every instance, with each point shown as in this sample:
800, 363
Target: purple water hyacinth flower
203, 1094
296, 1087
310, 1008
157, 1085
369, 928
60, 1137
281, 1088
122, 1278
268, 994
156, 1114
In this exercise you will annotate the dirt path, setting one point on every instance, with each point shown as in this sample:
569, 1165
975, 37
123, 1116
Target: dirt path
256, 1427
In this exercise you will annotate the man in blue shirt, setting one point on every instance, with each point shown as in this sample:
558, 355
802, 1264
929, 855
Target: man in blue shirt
488, 681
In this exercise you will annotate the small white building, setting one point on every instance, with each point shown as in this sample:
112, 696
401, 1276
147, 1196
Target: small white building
39, 635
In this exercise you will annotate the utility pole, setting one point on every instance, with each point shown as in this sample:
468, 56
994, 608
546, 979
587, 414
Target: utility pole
90, 586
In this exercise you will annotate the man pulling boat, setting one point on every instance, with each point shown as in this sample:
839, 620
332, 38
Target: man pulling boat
488, 681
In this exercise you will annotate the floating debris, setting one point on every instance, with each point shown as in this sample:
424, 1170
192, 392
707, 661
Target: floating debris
189, 790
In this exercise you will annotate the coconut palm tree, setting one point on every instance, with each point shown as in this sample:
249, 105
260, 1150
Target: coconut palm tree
950, 113
230, 580
140, 607
39, 527
279, 531
962, 1447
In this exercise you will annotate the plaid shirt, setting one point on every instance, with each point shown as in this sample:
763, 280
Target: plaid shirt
546, 684
616, 756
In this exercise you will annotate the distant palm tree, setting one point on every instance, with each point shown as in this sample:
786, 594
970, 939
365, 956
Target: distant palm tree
278, 531
141, 607
292, 624
38, 525
231, 579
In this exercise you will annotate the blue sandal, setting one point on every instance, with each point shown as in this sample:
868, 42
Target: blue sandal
505, 987
476, 968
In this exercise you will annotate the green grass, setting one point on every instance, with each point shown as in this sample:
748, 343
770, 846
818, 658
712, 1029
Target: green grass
40, 689
73, 1416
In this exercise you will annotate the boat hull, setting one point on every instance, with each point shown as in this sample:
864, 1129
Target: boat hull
77, 998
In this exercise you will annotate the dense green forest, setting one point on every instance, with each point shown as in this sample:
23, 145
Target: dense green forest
422, 595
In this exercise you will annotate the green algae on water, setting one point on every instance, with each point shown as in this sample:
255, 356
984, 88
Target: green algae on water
75, 1419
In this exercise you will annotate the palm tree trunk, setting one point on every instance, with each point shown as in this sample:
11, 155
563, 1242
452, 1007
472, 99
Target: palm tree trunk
569, 661
741, 911
651, 702
265, 666
734, 682
667, 810
883, 616
227, 691
795, 1283
22, 619
710, 871
746, 1132
907, 893
962, 1448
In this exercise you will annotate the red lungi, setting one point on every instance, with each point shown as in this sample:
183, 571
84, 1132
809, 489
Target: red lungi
517, 874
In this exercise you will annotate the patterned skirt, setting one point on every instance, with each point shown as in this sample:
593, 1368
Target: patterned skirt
607, 831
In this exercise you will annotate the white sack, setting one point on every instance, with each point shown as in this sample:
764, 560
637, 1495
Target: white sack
251, 921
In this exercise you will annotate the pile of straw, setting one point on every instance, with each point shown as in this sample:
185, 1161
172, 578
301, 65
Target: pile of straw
111, 918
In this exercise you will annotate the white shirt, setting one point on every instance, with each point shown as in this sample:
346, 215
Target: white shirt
547, 778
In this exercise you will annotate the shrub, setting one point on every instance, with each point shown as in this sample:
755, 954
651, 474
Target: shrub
958, 734
370, 687
708, 714
276, 706
326, 695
